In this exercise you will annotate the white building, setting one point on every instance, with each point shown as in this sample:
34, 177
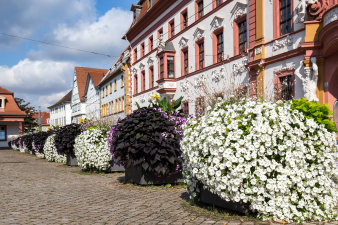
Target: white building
60, 112
203, 48
114, 89
92, 96
78, 103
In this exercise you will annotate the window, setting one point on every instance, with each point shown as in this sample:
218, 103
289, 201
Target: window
135, 54
200, 106
284, 87
285, 16
200, 55
1, 103
150, 3
217, 3
240, 35
106, 90
135, 84
115, 85
161, 67
143, 81
184, 19
3, 133
151, 77
122, 103
286, 91
170, 66
171, 29
142, 49
185, 108
185, 62
219, 47
111, 88
151, 43
199, 6
160, 33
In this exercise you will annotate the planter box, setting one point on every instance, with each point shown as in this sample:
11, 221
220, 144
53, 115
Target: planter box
71, 160
136, 175
115, 168
212, 199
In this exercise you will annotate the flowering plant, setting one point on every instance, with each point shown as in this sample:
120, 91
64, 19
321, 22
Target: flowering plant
27, 143
148, 138
65, 138
38, 143
264, 154
50, 152
91, 150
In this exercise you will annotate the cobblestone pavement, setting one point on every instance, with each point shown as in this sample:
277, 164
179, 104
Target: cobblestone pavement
34, 191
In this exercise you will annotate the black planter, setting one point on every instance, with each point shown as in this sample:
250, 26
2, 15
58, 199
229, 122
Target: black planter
71, 160
115, 168
137, 176
212, 199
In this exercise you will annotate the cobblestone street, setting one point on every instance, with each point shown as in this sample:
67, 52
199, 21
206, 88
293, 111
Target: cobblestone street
34, 191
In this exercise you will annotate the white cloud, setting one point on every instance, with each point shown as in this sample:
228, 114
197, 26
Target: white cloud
37, 77
103, 36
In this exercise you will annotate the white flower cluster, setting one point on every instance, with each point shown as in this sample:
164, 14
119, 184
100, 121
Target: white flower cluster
91, 150
51, 153
13, 146
37, 153
264, 154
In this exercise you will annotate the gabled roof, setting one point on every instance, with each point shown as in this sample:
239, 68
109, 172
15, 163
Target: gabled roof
82, 76
64, 99
44, 117
11, 107
5, 91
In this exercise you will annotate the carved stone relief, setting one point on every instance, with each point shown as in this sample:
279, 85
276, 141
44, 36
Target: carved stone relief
150, 61
285, 66
238, 10
309, 80
198, 34
278, 44
184, 86
216, 22
258, 50
199, 81
141, 66
239, 68
183, 42
160, 44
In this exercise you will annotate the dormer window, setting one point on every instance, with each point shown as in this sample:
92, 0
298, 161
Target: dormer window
150, 3
136, 9
2, 102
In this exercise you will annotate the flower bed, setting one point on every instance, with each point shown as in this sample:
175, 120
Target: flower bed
148, 139
265, 155
50, 152
91, 150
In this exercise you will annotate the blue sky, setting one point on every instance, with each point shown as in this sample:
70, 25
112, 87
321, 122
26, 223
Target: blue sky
42, 74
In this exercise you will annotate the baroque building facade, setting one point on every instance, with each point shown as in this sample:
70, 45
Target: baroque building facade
272, 49
115, 96
61, 112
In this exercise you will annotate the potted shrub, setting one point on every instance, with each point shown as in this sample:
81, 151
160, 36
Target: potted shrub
50, 152
266, 158
92, 153
147, 144
64, 142
38, 143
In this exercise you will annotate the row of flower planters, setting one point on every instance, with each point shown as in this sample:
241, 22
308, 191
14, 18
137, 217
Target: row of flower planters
277, 161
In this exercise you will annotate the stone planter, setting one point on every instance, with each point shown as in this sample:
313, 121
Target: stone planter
136, 175
212, 199
71, 160
115, 168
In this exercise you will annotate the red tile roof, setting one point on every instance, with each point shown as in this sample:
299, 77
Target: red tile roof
44, 117
82, 75
66, 98
11, 108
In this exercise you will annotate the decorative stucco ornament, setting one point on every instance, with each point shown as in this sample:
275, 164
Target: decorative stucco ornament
199, 81
150, 61
198, 34
289, 66
278, 44
160, 44
216, 22
310, 80
239, 68
142, 66
238, 10
183, 42
185, 86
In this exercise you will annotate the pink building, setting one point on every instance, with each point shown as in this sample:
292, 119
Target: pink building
11, 118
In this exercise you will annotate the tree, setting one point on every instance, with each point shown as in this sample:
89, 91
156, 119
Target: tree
29, 122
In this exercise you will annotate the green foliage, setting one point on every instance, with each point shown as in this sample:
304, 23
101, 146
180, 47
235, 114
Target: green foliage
166, 105
29, 122
319, 112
